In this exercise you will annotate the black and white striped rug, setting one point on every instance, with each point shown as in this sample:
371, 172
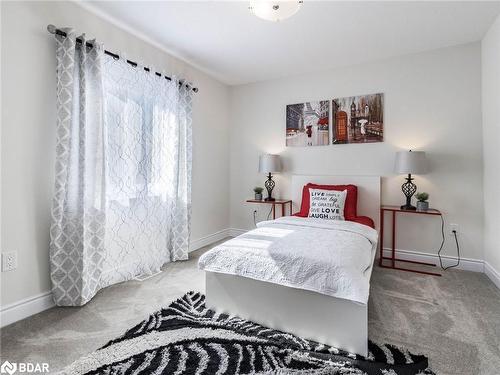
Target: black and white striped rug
187, 338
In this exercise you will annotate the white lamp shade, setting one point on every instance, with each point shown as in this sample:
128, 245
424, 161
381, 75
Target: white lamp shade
269, 163
410, 162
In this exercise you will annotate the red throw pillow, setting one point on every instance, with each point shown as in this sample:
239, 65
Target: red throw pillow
351, 202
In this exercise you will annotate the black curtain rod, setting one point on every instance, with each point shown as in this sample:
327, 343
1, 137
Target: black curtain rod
53, 30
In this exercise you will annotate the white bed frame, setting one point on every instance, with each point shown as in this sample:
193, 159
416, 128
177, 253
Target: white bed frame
333, 321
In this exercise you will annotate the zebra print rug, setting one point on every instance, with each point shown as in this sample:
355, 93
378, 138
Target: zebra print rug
187, 338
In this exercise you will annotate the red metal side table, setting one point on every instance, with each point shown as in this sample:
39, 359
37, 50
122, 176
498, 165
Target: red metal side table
392, 264
282, 203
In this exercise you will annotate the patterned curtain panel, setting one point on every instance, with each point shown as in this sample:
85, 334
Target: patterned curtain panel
79, 212
122, 199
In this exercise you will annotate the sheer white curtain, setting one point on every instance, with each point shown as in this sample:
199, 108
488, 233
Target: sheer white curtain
148, 125
122, 199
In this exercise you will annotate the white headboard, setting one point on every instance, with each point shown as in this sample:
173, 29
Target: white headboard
368, 191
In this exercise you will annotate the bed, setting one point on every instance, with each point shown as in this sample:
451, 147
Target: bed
323, 309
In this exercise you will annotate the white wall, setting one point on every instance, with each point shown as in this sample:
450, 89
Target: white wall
432, 103
28, 134
491, 150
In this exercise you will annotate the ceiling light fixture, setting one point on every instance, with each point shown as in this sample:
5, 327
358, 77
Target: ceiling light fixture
274, 10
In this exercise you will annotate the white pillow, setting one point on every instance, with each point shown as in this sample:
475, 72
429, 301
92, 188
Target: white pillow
327, 204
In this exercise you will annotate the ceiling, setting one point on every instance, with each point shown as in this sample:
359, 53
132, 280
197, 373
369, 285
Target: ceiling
226, 41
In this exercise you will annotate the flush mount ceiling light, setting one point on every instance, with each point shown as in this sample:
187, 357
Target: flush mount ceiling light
274, 10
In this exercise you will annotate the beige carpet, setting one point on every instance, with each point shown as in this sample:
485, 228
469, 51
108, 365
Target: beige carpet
454, 320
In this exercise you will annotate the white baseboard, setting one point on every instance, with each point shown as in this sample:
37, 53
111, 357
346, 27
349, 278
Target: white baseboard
235, 232
492, 273
25, 308
466, 264
210, 239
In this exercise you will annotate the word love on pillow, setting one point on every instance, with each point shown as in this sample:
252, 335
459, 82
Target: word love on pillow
327, 204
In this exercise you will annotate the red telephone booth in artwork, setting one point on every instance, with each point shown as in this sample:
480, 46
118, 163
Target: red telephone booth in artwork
340, 127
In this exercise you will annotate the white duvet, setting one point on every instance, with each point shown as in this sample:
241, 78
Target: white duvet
328, 257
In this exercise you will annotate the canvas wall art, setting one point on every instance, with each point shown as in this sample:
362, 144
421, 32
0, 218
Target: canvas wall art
358, 119
308, 124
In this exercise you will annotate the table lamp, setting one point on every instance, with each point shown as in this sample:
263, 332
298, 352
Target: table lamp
410, 162
269, 164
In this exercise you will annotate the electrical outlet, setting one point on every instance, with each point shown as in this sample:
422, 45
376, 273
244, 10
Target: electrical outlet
9, 261
453, 228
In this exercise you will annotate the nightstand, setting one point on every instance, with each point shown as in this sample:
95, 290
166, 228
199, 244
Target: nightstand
394, 210
275, 203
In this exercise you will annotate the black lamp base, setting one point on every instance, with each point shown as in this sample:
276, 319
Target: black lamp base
408, 188
408, 207
269, 184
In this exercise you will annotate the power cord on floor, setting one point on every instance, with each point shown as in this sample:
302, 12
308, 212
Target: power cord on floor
442, 244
